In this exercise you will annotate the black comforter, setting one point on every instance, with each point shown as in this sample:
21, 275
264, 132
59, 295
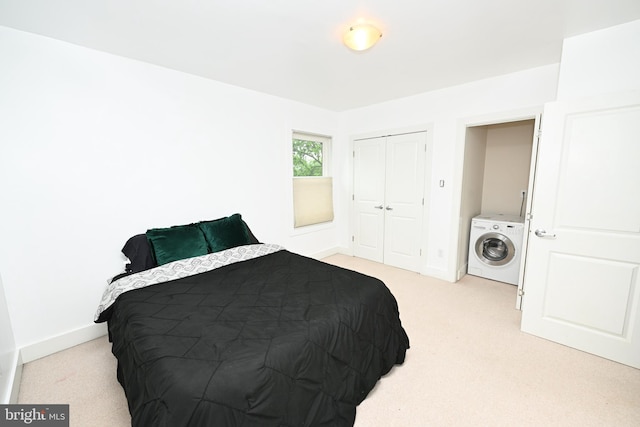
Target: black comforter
279, 340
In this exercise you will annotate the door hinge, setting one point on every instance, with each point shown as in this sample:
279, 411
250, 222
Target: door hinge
353, 197
354, 153
529, 216
353, 238
423, 201
520, 292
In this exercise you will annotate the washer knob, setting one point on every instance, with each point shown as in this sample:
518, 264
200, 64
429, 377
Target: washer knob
496, 226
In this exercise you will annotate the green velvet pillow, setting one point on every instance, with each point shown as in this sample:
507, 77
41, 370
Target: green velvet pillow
225, 233
178, 242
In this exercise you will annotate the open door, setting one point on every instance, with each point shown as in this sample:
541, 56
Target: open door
582, 275
527, 217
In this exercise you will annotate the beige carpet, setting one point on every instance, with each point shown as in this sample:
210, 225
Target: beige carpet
469, 365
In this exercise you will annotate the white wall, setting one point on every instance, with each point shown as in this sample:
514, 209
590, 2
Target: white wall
475, 151
601, 62
96, 148
448, 111
8, 351
507, 165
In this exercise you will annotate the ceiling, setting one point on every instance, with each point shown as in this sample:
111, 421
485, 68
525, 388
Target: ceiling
292, 48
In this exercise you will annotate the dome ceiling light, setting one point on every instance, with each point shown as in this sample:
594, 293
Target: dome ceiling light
361, 37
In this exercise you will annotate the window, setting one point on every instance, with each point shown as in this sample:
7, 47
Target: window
311, 154
312, 183
307, 157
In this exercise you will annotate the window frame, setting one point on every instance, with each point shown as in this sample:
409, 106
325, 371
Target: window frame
306, 216
326, 149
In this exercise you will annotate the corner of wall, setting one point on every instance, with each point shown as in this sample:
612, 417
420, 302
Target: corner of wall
17, 378
440, 274
61, 342
11, 380
462, 271
326, 253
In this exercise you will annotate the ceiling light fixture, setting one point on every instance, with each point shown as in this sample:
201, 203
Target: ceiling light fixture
361, 37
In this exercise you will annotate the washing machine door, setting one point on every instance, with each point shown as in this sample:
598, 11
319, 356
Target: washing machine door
495, 249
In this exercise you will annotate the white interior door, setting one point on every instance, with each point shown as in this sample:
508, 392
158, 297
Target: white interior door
582, 277
404, 198
388, 199
368, 196
527, 216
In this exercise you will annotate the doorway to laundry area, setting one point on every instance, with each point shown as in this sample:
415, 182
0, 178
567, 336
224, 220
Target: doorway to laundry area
497, 178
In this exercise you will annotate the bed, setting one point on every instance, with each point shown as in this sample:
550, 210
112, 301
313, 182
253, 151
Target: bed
247, 335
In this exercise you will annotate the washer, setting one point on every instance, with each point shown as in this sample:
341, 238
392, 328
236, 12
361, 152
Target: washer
495, 247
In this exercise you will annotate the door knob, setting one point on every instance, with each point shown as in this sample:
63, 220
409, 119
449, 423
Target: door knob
389, 208
542, 233
377, 207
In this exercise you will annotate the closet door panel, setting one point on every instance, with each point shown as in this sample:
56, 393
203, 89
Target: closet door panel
404, 192
368, 196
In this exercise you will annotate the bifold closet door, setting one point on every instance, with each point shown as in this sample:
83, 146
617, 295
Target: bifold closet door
368, 191
389, 199
404, 198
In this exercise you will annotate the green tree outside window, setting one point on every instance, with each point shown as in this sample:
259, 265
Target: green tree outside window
307, 158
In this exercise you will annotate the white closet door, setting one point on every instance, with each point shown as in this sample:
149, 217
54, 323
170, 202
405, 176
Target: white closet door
388, 199
582, 276
368, 195
404, 192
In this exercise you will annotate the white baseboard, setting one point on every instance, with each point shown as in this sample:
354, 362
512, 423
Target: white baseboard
432, 272
328, 252
17, 378
63, 341
438, 274
11, 379
462, 271
345, 251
